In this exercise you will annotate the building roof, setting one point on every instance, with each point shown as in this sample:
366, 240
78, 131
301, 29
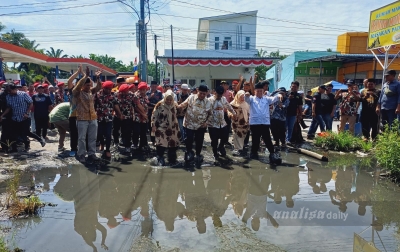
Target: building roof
205, 54
204, 23
346, 58
13, 53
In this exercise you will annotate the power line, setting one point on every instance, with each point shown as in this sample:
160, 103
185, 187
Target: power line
62, 8
268, 18
30, 4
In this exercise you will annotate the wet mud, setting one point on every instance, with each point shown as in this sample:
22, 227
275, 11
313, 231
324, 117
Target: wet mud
126, 204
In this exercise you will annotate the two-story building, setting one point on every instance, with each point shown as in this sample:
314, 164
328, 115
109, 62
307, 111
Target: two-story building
226, 47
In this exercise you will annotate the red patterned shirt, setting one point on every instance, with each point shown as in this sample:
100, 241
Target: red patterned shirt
127, 104
104, 106
143, 101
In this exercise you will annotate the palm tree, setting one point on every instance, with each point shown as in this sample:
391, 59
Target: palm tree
77, 56
261, 53
56, 53
31, 45
13, 37
2, 27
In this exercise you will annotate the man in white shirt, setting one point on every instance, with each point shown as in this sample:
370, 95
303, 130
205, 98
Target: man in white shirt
260, 122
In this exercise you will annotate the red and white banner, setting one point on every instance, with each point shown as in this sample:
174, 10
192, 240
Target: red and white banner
227, 62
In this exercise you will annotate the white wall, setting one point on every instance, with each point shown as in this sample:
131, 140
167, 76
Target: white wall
222, 29
209, 73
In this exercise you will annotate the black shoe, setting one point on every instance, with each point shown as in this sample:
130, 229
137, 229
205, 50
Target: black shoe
236, 153
253, 155
310, 137
161, 161
189, 156
275, 158
90, 159
222, 151
199, 159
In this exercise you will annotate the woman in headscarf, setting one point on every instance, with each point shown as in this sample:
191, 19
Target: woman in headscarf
165, 126
240, 126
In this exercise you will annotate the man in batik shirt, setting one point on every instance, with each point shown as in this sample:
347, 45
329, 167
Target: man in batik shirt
105, 103
126, 101
196, 119
217, 125
141, 119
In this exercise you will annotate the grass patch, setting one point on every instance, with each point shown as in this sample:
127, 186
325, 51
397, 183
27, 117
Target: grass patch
342, 141
17, 205
387, 149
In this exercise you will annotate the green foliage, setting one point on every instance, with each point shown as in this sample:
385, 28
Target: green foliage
387, 148
262, 70
342, 141
56, 53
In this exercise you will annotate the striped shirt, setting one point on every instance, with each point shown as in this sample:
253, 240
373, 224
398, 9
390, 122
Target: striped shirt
19, 105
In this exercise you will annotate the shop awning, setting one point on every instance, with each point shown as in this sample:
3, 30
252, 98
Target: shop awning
250, 62
346, 58
13, 53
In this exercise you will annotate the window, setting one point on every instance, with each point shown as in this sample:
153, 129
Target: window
183, 81
247, 46
227, 43
192, 82
315, 71
216, 46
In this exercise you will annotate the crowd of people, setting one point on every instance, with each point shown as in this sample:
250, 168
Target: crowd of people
98, 114
372, 108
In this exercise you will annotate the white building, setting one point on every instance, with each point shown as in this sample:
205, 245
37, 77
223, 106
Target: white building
226, 47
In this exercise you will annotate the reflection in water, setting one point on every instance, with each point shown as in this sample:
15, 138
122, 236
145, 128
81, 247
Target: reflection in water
106, 203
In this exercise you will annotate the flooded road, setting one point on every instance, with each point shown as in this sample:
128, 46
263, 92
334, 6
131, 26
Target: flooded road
131, 206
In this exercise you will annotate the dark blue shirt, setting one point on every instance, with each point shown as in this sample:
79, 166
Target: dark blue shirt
41, 103
153, 100
19, 105
390, 95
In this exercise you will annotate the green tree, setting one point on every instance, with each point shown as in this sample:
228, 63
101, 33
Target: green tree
2, 27
77, 56
109, 62
261, 71
329, 50
13, 37
56, 53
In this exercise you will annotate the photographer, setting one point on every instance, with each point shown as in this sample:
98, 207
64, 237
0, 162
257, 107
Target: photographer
294, 110
348, 106
369, 119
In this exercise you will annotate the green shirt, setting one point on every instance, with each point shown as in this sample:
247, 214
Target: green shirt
60, 112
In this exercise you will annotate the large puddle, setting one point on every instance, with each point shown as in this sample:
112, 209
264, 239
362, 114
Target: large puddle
131, 206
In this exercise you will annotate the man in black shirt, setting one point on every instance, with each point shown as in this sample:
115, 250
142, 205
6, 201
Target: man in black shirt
369, 119
328, 107
294, 110
6, 127
308, 101
154, 97
317, 113
42, 104
181, 114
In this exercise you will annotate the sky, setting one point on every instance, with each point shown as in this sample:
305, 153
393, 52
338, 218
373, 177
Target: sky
80, 27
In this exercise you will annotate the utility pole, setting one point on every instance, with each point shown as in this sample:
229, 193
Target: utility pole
172, 51
155, 55
143, 70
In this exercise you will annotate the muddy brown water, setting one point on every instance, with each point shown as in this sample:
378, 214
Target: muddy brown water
245, 206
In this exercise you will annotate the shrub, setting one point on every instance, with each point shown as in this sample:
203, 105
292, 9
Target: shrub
342, 141
387, 148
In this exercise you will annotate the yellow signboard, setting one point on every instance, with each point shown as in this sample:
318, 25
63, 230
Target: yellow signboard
384, 26
361, 245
